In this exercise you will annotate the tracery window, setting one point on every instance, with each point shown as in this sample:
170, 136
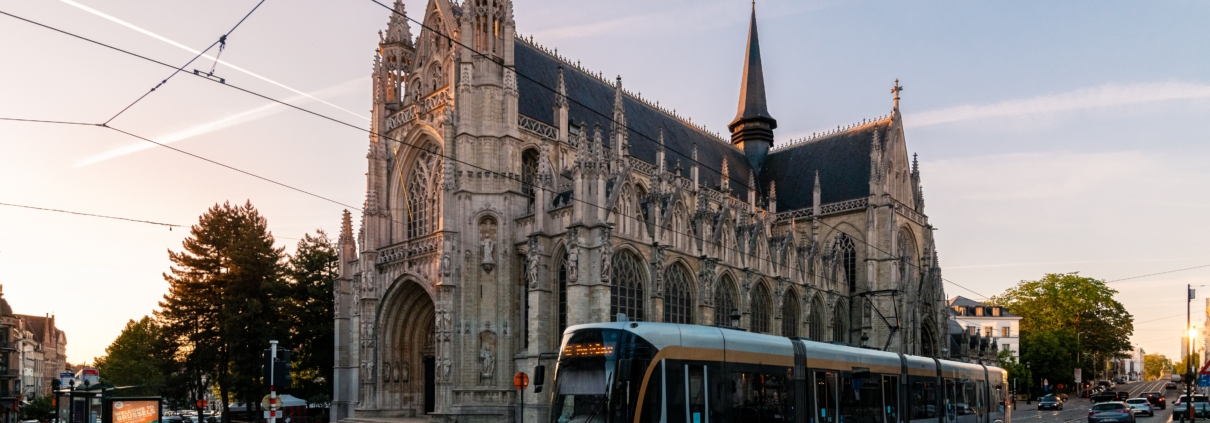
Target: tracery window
789, 315
840, 324
678, 298
815, 324
529, 174
907, 259
760, 309
421, 194
626, 289
724, 301
846, 255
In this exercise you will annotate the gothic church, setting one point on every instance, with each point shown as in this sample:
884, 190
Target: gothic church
511, 193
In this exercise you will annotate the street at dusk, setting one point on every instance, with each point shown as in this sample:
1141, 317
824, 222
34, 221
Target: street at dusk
697, 211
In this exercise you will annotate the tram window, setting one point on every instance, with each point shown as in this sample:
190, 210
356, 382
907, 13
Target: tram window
950, 400
860, 400
696, 378
966, 404
718, 391
825, 397
676, 391
924, 398
653, 400
761, 394
890, 398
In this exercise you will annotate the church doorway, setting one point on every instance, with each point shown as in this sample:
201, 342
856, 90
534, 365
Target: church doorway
408, 327
430, 384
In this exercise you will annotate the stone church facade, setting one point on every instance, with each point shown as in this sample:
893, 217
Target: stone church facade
511, 193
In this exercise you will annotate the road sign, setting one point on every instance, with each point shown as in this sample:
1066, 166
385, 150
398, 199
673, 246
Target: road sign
1203, 380
273, 414
1205, 368
202, 403
1078, 374
521, 380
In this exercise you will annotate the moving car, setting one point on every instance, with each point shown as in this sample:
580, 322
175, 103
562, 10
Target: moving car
1201, 406
1140, 406
1123, 396
1170, 385
1104, 397
1050, 402
1111, 412
1156, 399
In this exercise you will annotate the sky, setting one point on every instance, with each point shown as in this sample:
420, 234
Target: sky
1053, 136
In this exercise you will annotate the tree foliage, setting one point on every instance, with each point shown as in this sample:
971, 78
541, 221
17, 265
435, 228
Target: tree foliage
222, 305
309, 308
1189, 363
39, 409
134, 357
1156, 365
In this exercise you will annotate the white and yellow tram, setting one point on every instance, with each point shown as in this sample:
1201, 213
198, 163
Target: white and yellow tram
665, 373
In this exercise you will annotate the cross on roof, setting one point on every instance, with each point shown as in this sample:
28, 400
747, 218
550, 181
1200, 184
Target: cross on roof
895, 90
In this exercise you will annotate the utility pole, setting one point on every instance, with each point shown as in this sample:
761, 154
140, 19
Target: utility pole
1189, 353
272, 389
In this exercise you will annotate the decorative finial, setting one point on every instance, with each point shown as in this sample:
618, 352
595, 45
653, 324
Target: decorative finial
895, 90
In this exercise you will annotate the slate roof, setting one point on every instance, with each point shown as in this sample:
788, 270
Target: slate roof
591, 101
960, 301
842, 160
36, 325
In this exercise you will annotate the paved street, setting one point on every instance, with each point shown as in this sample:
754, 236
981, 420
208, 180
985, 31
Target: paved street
1076, 409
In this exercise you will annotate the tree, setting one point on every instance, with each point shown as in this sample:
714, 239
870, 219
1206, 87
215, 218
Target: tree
1156, 365
1017, 372
1189, 362
39, 409
134, 357
221, 308
312, 272
1080, 306
1051, 356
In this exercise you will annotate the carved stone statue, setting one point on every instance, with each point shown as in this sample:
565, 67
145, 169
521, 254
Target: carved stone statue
445, 265
405, 372
488, 245
487, 364
533, 256
573, 264
606, 255
445, 369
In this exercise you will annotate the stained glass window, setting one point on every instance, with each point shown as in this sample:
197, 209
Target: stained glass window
678, 298
760, 309
626, 291
724, 301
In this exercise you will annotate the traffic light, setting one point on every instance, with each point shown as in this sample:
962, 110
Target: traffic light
281, 368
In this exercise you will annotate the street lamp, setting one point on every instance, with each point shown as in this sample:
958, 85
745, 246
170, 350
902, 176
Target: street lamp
735, 318
1029, 384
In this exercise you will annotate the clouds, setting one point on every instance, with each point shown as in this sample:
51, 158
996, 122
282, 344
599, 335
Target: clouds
1090, 98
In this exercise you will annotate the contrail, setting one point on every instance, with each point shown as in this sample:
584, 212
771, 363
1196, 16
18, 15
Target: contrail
211, 126
191, 50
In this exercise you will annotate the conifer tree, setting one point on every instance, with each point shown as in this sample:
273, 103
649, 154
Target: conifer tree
221, 309
312, 272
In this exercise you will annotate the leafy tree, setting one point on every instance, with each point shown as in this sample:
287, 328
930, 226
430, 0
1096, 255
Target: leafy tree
1189, 362
309, 308
1156, 365
134, 357
221, 308
1050, 355
1016, 371
39, 409
1100, 327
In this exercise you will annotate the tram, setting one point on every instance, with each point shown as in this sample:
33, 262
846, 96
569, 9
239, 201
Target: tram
672, 373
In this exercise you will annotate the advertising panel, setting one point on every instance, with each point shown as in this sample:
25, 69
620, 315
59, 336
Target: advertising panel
136, 411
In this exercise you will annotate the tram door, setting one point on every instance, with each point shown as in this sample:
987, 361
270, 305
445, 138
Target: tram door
697, 396
825, 397
890, 398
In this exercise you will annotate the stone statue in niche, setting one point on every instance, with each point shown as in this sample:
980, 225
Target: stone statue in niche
487, 243
606, 254
533, 256
445, 265
405, 372
487, 357
573, 264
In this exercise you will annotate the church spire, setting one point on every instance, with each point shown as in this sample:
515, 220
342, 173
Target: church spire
752, 129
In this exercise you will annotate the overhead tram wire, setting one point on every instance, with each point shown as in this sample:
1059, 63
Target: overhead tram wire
1160, 273
320, 115
222, 41
169, 225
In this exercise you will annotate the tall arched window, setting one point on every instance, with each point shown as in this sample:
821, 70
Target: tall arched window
724, 301
840, 324
815, 324
846, 266
678, 296
562, 295
907, 260
529, 174
626, 291
789, 315
760, 309
421, 194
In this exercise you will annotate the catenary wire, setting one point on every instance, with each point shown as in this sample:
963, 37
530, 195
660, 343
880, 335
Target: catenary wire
1160, 273
832, 280
222, 40
170, 225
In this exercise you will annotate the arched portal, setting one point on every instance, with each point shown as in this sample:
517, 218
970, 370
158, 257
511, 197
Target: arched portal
405, 377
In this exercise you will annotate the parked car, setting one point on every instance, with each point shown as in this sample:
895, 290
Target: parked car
1111, 412
1156, 399
1140, 406
1050, 402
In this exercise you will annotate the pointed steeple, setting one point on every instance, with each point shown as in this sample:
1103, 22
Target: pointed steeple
752, 129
